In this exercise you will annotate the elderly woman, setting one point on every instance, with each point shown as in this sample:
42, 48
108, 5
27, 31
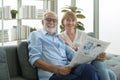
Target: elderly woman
72, 37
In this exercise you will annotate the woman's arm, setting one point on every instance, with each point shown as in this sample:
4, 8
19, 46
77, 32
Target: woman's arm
68, 42
101, 56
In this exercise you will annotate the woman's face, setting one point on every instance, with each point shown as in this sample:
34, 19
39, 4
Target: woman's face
69, 23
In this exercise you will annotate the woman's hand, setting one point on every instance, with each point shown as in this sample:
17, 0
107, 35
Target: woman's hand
65, 70
101, 56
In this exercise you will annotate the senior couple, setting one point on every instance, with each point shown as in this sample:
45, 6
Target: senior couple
51, 53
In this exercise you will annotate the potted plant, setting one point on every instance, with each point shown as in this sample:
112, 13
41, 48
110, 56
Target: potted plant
13, 13
79, 15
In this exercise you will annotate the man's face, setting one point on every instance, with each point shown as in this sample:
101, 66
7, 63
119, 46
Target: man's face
50, 23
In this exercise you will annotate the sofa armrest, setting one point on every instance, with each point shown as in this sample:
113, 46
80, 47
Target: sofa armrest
4, 73
12, 60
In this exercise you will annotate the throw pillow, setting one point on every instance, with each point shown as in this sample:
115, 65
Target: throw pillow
27, 70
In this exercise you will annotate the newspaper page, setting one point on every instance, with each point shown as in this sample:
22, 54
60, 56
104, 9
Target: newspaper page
89, 50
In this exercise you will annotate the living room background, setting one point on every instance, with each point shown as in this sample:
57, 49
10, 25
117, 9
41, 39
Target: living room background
104, 26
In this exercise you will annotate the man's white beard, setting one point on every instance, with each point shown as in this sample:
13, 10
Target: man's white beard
51, 30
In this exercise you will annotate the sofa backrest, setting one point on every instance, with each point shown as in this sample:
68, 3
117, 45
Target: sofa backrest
92, 34
28, 71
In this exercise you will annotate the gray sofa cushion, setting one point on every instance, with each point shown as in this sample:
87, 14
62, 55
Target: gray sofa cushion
18, 78
4, 73
27, 70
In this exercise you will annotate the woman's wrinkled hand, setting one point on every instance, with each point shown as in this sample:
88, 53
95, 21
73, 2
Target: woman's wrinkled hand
101, 56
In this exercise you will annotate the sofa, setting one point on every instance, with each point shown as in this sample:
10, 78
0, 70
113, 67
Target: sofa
14, 63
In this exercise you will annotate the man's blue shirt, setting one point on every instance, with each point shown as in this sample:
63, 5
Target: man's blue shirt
50, 49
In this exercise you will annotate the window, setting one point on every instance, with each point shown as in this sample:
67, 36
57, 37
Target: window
109, 29
87, 6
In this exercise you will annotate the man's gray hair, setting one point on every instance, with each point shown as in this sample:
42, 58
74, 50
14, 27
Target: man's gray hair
50, 12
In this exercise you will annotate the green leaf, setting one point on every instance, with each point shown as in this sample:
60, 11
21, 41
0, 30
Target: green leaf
80, 16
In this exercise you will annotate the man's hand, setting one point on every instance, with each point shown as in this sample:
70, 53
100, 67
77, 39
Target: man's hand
65, 70
102, 56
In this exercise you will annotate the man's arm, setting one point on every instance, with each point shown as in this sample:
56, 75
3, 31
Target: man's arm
51, 68
35, 51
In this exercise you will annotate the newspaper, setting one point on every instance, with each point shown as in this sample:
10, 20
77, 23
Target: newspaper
89, 50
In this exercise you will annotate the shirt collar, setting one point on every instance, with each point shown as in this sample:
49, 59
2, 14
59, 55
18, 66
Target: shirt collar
46, 33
